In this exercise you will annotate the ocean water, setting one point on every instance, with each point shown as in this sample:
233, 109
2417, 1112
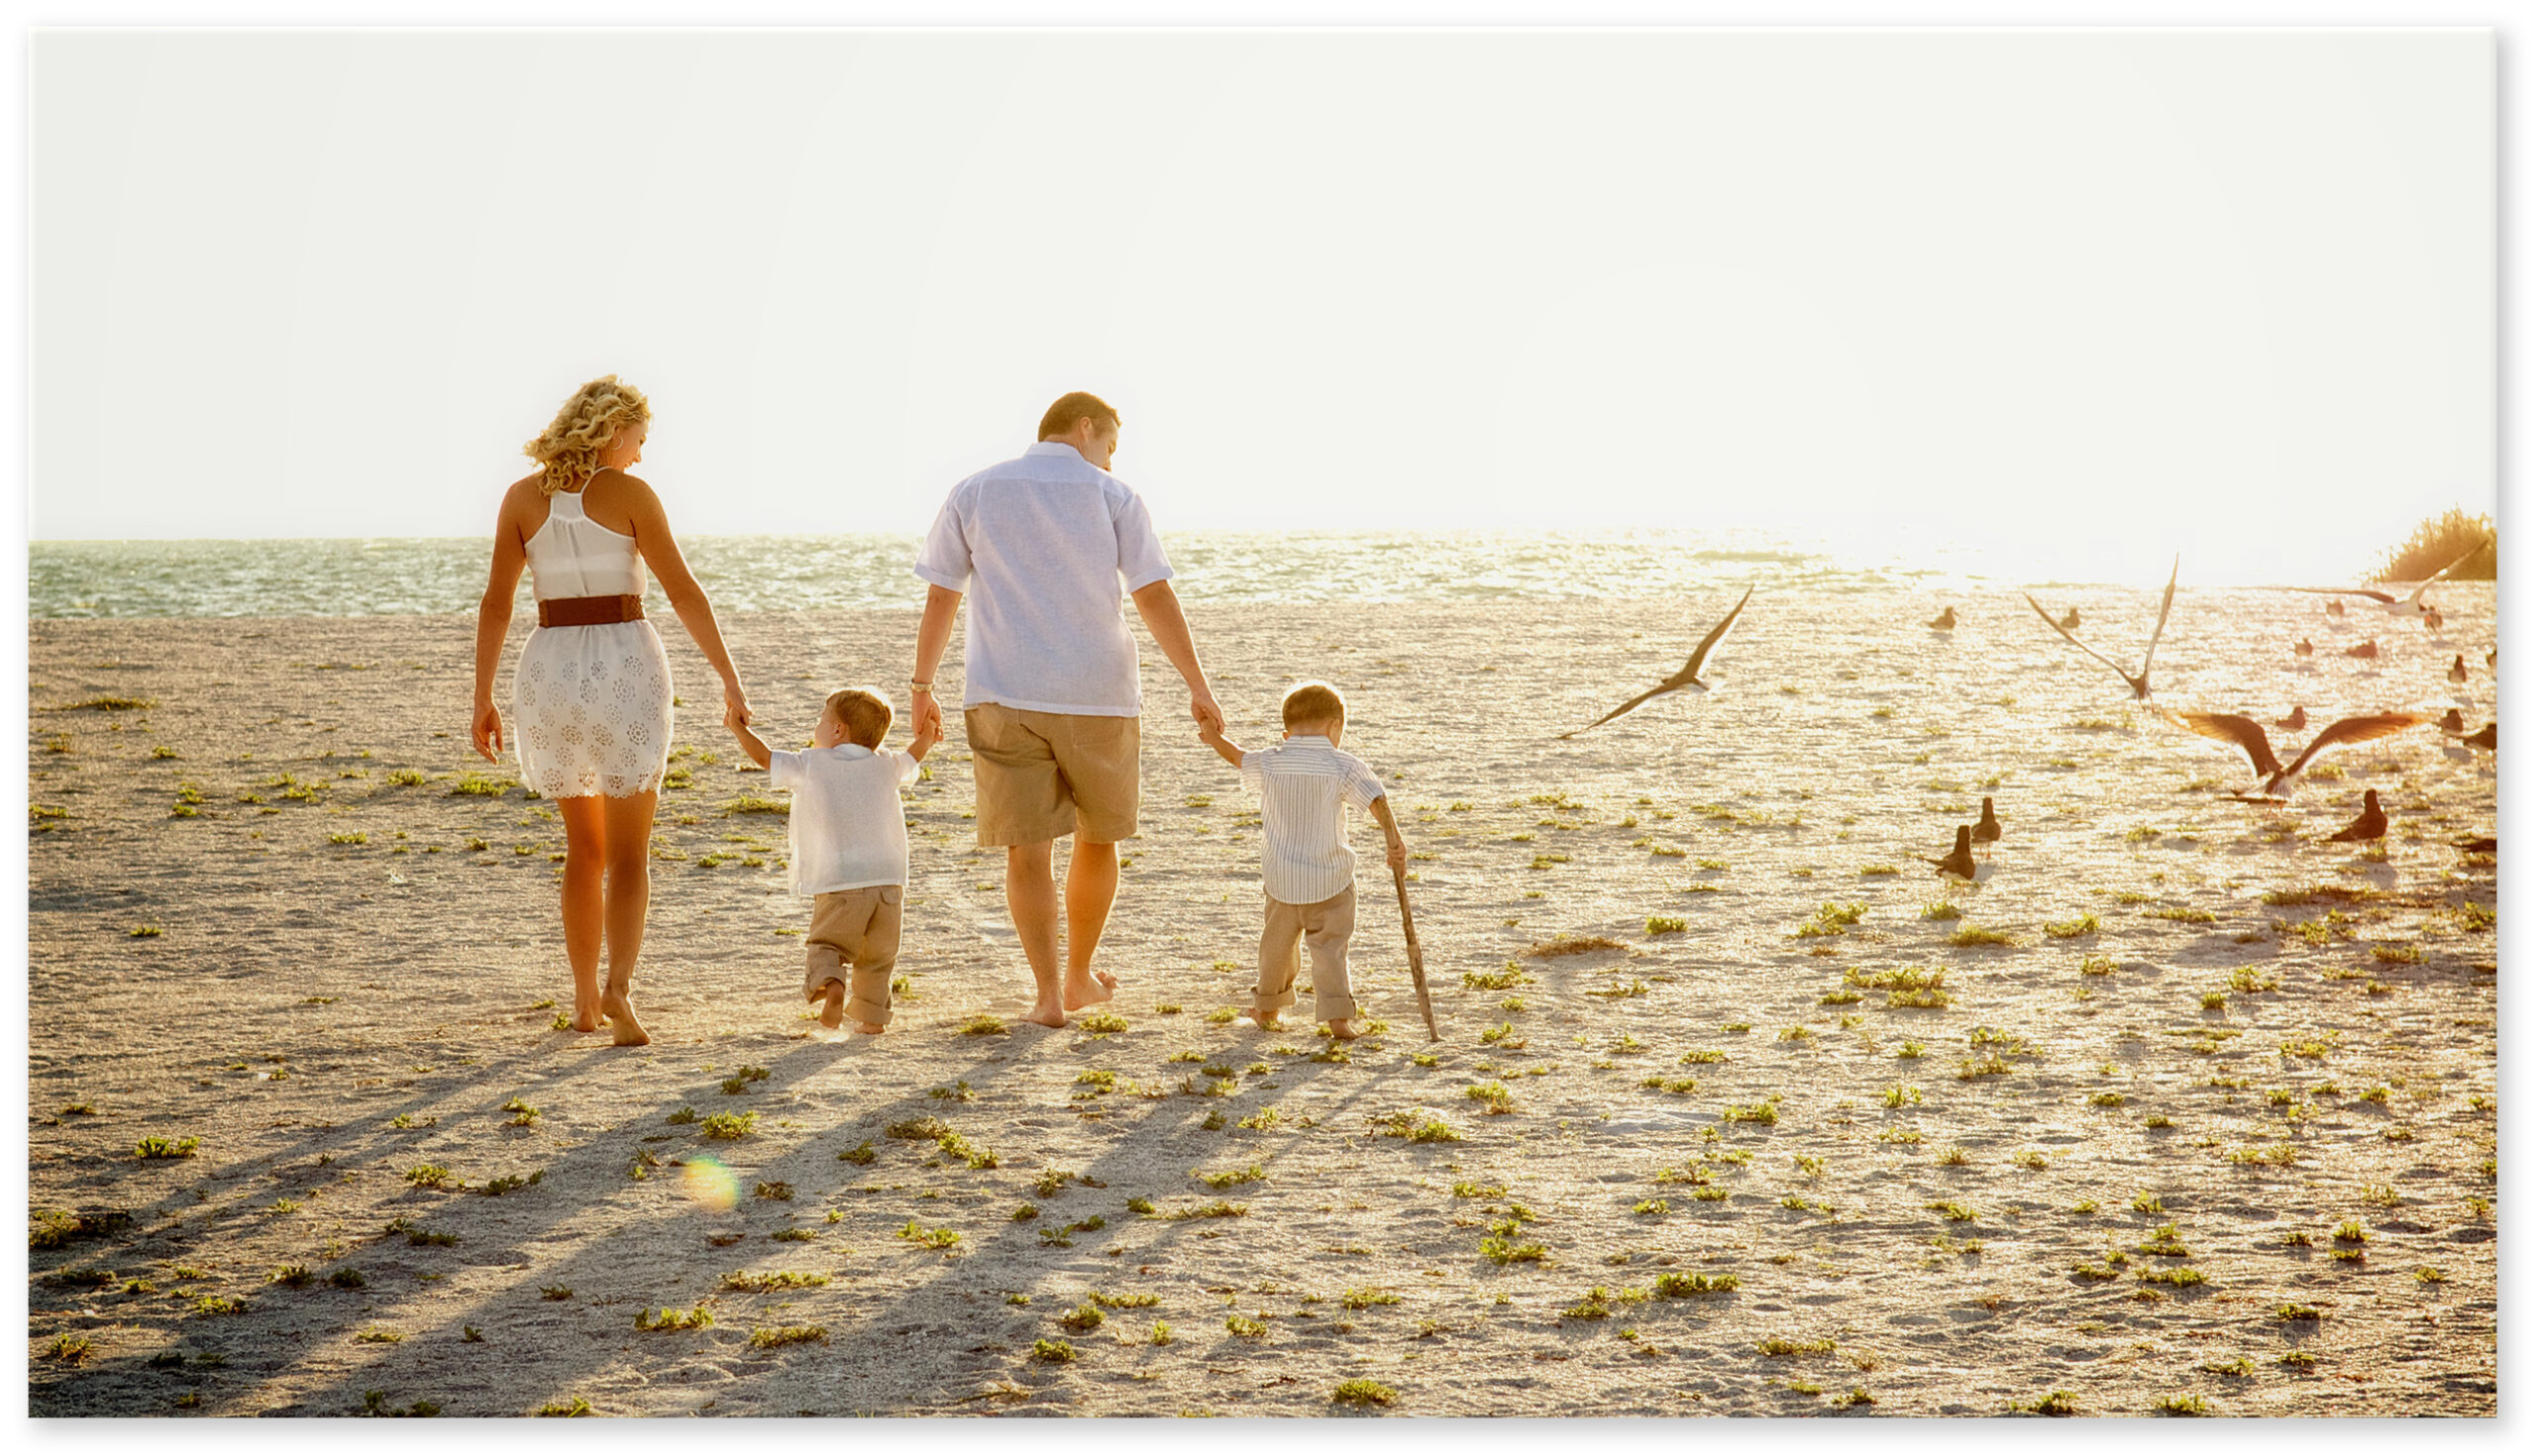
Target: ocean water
331, 577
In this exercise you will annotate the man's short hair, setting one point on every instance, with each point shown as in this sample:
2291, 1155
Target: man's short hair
1313, 702
1080, 405
865, 713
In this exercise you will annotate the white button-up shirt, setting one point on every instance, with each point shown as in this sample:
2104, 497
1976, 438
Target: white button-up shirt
847, 828
1304, 786
1046, 547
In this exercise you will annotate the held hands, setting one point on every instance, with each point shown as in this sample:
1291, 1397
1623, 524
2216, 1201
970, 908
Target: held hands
489, 731
735, 706
928, 715
1201, 706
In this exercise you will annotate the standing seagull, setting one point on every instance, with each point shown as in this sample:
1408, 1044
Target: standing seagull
2431, 618
2070, 623
2305, 648
2139, 683
1687, 680
2457, 669
2487, 740
2297, 721
2453, 724
1986, 833
1944, 621
1957, 864
2372, 823
2401, 606
2276, 782
2366, 648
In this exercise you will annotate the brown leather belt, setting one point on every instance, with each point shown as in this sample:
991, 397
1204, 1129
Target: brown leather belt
588, 611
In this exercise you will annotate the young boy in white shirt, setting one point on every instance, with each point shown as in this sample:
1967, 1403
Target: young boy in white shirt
1304, 786
849, 843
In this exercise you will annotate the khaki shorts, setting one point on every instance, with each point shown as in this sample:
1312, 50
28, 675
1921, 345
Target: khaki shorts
1044, 775
854, 938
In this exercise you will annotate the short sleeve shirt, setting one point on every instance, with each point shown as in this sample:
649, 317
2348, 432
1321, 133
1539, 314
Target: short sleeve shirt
847, 828
1046, 547
1304, 786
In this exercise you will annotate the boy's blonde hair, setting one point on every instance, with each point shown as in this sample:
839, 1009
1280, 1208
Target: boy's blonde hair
865, 713
1313, 702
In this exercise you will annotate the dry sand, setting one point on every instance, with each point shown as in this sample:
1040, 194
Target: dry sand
351, 985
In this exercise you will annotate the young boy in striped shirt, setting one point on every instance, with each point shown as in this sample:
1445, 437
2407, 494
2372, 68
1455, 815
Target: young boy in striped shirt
1304, 786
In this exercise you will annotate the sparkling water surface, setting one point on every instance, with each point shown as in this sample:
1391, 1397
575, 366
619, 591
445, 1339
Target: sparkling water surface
392, 577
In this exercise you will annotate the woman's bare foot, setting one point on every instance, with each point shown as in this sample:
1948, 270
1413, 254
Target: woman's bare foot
620, 1015
1345, 1029
867, 1028
1265, 1020
1046, 1014
1089, 993
832, 1014
585, 1019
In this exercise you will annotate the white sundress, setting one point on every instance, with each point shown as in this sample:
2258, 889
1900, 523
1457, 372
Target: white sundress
590, 705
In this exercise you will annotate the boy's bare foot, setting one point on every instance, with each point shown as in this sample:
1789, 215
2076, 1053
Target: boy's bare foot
867, 1028
832, 1014
620, 1015
1080, 993
1046, 1014
1345, 1029
1263, 1019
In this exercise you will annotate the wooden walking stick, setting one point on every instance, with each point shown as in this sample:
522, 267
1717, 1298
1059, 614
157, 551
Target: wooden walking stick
1417, 959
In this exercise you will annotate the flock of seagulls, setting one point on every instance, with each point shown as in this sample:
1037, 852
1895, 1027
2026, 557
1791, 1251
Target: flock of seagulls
2274, 781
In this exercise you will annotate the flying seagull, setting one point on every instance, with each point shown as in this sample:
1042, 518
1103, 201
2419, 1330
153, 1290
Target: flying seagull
2297, 721
2138, 683
1944, 621
2401, 606
1685, 680
2372, 823
1986, 833
1958, 860
2275, 781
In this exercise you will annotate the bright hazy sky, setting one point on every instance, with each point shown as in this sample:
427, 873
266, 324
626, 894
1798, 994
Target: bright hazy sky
2092, 297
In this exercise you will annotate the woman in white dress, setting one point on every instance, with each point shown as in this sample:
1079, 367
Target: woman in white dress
590, 694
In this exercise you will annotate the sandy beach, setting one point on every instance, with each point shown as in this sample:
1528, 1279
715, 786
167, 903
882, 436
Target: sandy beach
2195, 1109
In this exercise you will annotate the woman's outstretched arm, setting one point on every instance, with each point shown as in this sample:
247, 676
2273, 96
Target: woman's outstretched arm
493, 622
687, 595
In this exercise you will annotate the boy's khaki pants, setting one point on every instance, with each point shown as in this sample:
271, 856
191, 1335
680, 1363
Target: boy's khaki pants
1323, 926
857, 928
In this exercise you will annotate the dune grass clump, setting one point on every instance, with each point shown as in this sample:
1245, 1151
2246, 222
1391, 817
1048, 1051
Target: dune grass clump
1417, 1126
772, 1280
728, 1127
1693, 1284
1360, 1392
2441, 540
1493, 1097
1831, 919
1969, 937
1666, 925
2072, 928
775, 1337
698, 1318
159, 1147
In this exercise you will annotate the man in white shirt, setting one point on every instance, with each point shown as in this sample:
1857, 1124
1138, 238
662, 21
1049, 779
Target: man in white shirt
1044, 546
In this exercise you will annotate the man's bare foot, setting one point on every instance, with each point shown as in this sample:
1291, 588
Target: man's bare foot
867, 1028
832, 1014
585, 1019
620, 1015
1265, 1020
1345, 1029
1080, 993
1046, 1014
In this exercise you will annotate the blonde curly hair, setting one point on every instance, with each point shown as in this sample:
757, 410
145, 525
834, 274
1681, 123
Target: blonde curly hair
569, 450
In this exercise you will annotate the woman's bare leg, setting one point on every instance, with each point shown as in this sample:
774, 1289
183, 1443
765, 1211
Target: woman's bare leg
629, 900
584, 900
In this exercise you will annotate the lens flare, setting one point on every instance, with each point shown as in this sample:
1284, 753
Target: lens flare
710, 1184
